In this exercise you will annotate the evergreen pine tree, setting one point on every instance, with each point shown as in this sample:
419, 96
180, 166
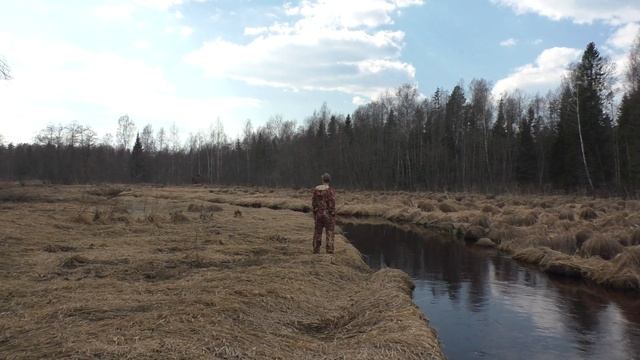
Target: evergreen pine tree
526, 166
137, 161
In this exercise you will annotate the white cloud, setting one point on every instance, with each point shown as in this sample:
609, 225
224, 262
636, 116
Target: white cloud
348, 14
617, 48
537, 41
624, 36
162, 5
115, 11
124, 10
578, 11
76, 83
252, 31
329, 45
543, 74
186, 31
509, 42
142, 45
357, 100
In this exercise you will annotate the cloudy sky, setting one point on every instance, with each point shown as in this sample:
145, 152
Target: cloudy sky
194, 61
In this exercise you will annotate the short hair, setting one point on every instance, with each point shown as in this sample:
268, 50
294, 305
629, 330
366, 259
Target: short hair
326, 178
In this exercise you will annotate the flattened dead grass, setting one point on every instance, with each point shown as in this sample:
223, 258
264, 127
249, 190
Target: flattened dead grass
515, 223
216, 287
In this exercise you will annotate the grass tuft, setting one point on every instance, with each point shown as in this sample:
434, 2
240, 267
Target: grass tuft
588, 214
426, 206
446, 207
582, 236
567, 214
603, 246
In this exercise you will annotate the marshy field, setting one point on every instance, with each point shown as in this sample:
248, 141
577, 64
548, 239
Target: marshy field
227, 272
147, 272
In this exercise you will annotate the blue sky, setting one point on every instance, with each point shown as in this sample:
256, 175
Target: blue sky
190, 62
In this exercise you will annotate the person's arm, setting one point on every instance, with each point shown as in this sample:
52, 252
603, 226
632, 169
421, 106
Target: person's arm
331, 202
315, 201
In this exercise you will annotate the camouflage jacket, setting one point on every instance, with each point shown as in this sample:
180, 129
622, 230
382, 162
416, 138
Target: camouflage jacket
324, 200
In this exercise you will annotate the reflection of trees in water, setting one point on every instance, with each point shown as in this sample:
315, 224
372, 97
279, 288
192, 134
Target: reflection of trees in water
505, 269
424, 255
452, 269
477, 270
581, 311
585, 307
631, 312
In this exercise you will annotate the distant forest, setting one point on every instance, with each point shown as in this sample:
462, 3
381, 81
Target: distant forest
575, 138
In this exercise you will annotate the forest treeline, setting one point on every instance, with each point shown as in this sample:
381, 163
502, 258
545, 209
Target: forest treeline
572, 139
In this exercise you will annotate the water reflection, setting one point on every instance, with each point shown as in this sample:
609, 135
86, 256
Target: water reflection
485, 305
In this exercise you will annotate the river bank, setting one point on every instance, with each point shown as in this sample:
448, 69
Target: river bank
150, 272
597, 240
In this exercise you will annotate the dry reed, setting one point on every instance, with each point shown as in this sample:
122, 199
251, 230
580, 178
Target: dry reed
229, 287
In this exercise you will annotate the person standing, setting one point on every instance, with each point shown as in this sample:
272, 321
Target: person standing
324, 213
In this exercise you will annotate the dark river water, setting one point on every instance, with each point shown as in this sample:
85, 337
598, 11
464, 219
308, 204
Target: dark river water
486, 306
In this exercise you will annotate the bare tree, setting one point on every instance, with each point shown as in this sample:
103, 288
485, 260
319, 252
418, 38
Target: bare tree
88, 137
51, 135
107, 139
174, 138
125, 132
161, 139
73, 133
633, 69
147, 139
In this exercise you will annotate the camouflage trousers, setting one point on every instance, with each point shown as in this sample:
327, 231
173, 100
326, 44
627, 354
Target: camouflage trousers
328, 223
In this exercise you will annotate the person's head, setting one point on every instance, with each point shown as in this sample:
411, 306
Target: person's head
326, 178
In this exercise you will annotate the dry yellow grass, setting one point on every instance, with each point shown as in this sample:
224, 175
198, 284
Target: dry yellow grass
76, 282
603, 246
562, 223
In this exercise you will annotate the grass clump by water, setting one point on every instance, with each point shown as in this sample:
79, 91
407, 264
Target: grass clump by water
603, 246
446, 207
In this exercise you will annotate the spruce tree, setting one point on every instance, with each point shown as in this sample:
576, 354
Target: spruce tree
583, 152
137, 161
592, 83
526, 166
